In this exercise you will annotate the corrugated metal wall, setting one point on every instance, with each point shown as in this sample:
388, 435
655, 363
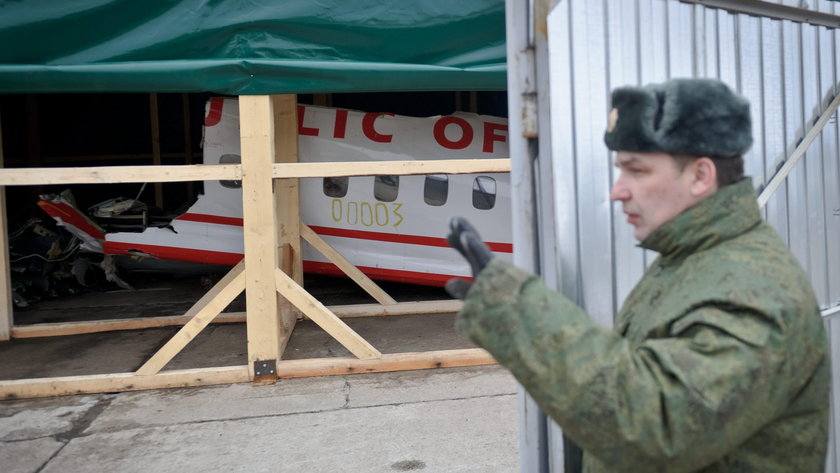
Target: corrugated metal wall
789, 71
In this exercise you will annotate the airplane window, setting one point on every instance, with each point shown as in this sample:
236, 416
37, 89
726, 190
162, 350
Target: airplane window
336, 186
230, 159
436, 189
484, 193
386, 188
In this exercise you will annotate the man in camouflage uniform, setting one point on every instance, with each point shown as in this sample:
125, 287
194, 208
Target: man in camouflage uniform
718, 358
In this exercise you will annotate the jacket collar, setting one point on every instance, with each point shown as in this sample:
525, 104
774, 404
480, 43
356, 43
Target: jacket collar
723, 215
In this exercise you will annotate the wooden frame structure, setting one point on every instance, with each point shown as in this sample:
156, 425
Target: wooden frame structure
270, 272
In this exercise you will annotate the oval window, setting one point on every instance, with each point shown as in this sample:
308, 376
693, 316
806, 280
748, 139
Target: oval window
386, 188
336, 186
484, 193
436, 189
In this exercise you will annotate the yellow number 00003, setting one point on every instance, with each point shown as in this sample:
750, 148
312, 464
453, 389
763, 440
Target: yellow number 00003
367, 214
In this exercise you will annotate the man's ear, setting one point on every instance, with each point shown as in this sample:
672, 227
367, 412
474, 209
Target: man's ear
704, 177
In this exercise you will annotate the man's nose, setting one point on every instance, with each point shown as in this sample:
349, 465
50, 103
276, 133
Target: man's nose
619, 192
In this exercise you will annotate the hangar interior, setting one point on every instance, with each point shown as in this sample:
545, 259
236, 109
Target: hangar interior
118, 112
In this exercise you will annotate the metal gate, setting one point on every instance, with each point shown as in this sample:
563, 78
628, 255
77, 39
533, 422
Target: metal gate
565, 56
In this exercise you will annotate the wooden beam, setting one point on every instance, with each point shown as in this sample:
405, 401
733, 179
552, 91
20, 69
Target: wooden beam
347, 267
34, 155
322, 100
201, 314
117, 382
375, 168
106, 383
60, 329
155, 127
400, 308
473, 101
388, 362
324, 318
119, 174
256, 119
188, 154
341, 311
6, 306
287, 203
288, 190
232, 172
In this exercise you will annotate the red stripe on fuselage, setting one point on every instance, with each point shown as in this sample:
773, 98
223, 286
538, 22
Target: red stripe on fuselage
172, 253
230, 259
217, 219
357, 234
381, 274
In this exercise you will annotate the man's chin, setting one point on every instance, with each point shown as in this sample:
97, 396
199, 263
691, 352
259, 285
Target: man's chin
640, 234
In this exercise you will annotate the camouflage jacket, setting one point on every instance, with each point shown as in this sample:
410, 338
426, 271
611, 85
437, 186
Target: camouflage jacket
717, 362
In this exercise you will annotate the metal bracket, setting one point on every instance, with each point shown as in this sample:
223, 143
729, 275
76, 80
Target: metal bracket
265, 370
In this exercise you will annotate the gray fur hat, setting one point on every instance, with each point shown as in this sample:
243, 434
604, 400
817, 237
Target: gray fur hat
695, 117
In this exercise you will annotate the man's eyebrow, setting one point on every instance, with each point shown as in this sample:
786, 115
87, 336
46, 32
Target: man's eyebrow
626, 161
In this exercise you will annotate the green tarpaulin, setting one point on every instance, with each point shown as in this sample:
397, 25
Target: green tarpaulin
251, 47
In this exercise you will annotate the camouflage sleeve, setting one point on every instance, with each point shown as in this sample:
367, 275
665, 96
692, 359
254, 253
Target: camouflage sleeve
671, 404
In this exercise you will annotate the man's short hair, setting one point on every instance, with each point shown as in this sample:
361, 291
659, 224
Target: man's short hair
730, 169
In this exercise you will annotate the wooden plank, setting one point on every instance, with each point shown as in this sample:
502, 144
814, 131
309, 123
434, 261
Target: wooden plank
6, 306
322, 100
106, 383
324, 318
388, 362
401, 308
473, 101
201, 314
117, 382
346, 266
34, 153
232, 172
155, 128
256, 119
341, 311
60, 329
373, 168
119, 174
188, 154
287, 203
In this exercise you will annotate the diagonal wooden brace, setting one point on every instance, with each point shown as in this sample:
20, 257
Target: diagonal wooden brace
349, 269
322, 316
203, 312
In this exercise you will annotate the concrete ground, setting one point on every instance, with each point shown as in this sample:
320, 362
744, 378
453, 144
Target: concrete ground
444, 420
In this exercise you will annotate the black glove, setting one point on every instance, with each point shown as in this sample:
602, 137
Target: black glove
465, 238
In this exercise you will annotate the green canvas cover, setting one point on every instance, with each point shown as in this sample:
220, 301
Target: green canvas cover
241, 47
